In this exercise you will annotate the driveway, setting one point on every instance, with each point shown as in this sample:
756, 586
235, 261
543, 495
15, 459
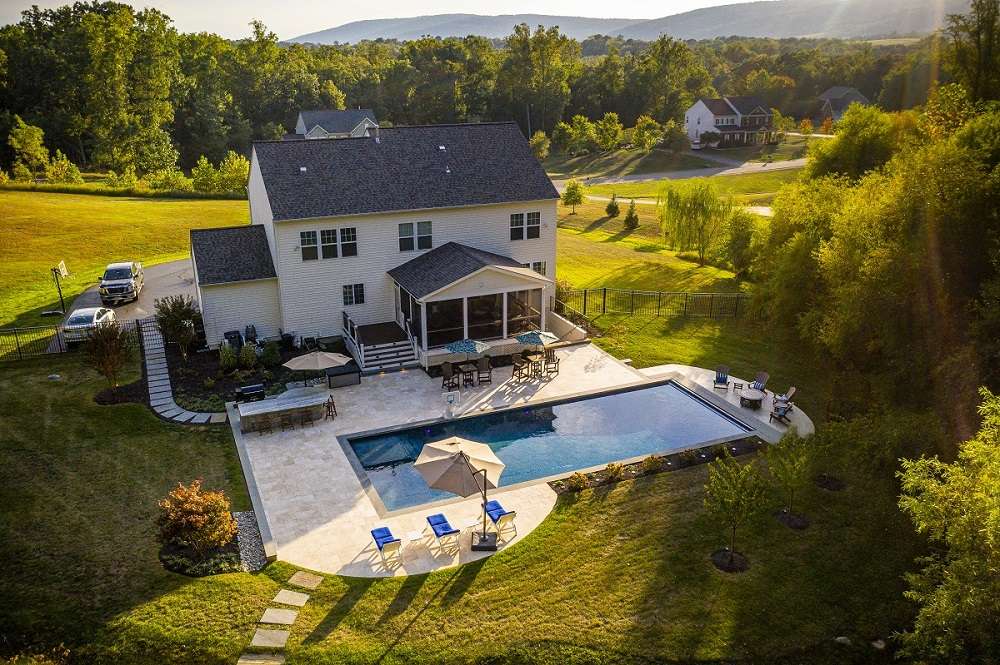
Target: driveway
162, 279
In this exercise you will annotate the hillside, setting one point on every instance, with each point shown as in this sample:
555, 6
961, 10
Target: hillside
769, 18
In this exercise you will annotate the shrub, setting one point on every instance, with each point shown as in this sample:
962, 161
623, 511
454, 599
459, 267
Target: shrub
208, 383
178, 318
22, 173
108, 349
271, 357
4, 178
540, 145
631, 217
196, 518
169, 179
614, 472
62, 171
234, 171
125, 180
613, 209
675, 138
577, 482
248, 356
204, 177
227, 357
651, 464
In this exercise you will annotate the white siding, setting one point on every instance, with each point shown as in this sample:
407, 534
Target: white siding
237, 305
698, 119
311, 291
260, 206
300, 125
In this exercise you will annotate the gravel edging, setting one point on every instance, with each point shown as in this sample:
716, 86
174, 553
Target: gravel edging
252, 556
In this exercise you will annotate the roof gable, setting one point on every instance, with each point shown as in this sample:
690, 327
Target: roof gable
402, 168
231, 254
445, 265
748, 105
718, 106
336, 121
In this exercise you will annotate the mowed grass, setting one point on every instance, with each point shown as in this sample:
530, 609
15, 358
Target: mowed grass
793, 147
596, 251
616, 575
39, 229
620, 162
758, 188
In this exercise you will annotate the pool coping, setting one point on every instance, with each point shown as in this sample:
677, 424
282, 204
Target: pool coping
769, 435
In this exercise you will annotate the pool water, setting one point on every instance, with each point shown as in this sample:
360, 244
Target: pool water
536, 442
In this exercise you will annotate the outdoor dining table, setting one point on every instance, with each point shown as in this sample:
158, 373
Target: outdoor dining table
751, 397
468, 371
536, 363
294, 401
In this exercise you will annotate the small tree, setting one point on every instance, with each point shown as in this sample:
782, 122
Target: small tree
739, 240
608, 132
646, 133
204, 177
234, 170
733, 494
788, 463
806, 127
573, 196
177, 318
540, 145
196, 518
674, 138
612, 210
28, 144
61, 170
827, 126
561, 136
581, 134
694, 216
631, 220
108, 349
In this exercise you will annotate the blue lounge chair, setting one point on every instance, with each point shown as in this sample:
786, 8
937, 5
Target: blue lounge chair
760, 381
721, 377
780, 412
442, 529
500, 517
388, 545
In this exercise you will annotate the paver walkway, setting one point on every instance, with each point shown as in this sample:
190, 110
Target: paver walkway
161, 396
267, 636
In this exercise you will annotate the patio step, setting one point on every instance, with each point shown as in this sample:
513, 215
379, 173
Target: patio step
390, 367
375, 357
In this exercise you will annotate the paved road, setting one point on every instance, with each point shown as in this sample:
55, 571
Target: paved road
163, 279
747, 167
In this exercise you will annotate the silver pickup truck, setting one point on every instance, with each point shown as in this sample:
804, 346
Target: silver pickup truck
121, 282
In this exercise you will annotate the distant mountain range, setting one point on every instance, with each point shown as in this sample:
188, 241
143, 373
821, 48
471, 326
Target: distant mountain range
771, 18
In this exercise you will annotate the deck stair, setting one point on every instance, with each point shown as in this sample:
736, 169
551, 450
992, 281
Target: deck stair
387, 357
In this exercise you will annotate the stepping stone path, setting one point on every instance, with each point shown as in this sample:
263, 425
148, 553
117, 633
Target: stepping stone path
268, 637
161, 396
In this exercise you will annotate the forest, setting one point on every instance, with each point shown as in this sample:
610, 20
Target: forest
115, 88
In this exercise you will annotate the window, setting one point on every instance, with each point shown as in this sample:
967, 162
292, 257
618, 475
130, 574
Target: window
406, 237
539, 267
524, 311
534, 224
517, 226
354, 294
307, 243
328, 242
421, 240
349, 242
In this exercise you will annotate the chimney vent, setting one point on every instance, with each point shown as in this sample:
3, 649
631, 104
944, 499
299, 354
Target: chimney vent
302, 169
441, 148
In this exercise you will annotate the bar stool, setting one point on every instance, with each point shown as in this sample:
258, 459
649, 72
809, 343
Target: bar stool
331, 409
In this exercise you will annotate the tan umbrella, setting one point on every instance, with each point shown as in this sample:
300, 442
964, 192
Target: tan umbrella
317, 361
461, 467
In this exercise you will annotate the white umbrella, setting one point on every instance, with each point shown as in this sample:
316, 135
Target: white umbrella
317, 361
461, 467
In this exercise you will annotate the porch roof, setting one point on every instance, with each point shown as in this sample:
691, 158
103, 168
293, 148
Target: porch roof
451, 262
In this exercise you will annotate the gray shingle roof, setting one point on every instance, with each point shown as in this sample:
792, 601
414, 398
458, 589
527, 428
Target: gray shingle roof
837, 91
444, 265
337, 122
231, 254
746, 104
404, 168
718, 106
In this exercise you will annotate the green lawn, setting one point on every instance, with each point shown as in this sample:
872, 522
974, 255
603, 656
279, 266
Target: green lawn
793, 147
38, 229
757, 188
616, 575
619, 163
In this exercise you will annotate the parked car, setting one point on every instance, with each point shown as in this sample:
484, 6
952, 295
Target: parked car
121, 282
81, 321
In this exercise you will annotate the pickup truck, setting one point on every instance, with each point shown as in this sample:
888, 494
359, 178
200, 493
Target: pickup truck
121, 282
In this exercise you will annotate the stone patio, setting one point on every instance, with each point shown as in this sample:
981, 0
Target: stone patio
312, 505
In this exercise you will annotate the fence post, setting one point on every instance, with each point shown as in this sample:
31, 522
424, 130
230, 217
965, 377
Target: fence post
736, 310
631, 303
585, 292
17, 343
59, 339
604, 301
711, 307
685, 304
659, 294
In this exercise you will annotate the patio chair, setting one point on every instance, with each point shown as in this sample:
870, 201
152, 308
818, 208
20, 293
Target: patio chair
389, 546
787, 397
484, 373
441, 528
780, 412
521, 369
760, 381
502, 519
721, 378
448, 379
551, 362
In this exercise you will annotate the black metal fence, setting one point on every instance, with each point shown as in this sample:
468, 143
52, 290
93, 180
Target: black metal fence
21, 343
592, 302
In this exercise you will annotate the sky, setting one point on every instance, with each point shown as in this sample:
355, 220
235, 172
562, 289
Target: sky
291, 18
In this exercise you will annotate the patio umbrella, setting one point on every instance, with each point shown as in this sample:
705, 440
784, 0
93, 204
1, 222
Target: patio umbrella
537, 338
317, 361
467, 346
461, 467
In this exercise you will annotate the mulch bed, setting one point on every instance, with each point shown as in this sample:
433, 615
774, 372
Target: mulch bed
792, 520
132, 393
730, 562
830, 483
671, 462
180, 559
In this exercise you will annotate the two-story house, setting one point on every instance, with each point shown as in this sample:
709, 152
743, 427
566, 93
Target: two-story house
737, 120
834, 101
335, 124
401, 242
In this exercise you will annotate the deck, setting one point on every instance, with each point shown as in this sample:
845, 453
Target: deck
381, 333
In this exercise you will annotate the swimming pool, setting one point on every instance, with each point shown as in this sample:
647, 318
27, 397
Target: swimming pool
541, 441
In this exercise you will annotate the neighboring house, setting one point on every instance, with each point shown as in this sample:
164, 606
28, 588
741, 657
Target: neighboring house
738, 120
401, 242
334, 124
833, 102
